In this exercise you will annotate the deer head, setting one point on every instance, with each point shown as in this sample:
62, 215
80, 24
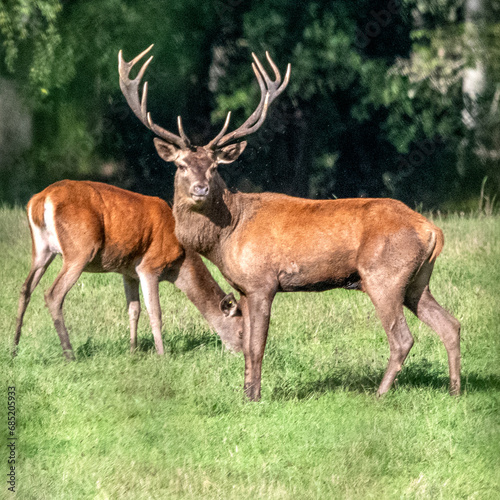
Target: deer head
197, 165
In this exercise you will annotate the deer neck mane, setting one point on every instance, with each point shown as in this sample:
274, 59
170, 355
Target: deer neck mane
201, 228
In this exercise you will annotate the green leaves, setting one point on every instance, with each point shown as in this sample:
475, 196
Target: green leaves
33, 42
370, 81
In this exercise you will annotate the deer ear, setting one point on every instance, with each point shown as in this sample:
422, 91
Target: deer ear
167, 151
228, 305
230, 153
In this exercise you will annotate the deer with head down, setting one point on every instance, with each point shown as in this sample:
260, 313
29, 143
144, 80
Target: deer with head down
100, 228
267, 243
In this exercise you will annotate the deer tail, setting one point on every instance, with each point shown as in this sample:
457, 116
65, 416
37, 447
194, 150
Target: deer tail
36, 207
436, 243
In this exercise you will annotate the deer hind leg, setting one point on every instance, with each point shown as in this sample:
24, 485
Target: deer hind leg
134, 308
388, 302
150, 291
54, 298
42, 258
420, 301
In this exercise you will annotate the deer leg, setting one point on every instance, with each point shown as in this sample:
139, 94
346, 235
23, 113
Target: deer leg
421, 302
149, 284
256, 309
54, 298
134, 308
389, 307
38, 267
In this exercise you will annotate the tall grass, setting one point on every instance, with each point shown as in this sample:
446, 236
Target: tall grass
112, 425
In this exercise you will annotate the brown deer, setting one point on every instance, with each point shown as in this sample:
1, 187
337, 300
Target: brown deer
268, 243
101, 228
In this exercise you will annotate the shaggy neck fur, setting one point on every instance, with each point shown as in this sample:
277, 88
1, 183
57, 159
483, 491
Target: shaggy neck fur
201, 228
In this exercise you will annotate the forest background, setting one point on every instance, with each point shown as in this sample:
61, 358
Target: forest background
394, 98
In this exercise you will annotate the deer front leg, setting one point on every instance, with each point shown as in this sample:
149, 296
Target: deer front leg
134, 308
150, 292
256, 310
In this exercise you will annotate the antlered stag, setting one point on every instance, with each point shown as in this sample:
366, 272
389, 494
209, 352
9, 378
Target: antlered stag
268, 243
100, 228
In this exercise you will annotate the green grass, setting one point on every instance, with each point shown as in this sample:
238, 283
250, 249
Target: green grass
112, 425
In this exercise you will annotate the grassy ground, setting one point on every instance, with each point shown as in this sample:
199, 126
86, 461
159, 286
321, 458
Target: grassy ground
112, 425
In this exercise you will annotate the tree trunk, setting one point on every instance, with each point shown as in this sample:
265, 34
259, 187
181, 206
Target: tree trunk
474, 80
15, 139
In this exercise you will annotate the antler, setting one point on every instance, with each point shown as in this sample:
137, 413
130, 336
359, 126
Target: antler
269, 91
130, 89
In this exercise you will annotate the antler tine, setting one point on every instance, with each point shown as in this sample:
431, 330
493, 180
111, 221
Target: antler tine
285, 81
263, 90
275, 68
276, 88
185, 138
130, 89
144, 102
213, 143
280, 87
131, 63
269, 82
263, 116
269, 91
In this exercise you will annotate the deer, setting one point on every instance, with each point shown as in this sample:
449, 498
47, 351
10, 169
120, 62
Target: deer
100, 228
265, 243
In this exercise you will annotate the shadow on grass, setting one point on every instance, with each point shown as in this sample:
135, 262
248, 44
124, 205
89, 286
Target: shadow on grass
176, 343
91, 348
366, 381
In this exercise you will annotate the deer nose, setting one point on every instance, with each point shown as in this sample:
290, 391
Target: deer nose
199, 190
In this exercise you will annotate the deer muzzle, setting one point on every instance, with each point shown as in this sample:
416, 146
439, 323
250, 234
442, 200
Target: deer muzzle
199, 192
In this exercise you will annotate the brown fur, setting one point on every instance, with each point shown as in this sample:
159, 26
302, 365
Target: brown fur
268, 243
101, 228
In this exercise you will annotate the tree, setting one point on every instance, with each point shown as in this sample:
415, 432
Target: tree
63, 56
374, 106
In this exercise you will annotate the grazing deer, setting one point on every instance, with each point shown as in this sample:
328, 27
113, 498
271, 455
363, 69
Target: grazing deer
100, 228
268, 243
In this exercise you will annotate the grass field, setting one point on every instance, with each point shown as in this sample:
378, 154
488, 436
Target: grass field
112, 425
